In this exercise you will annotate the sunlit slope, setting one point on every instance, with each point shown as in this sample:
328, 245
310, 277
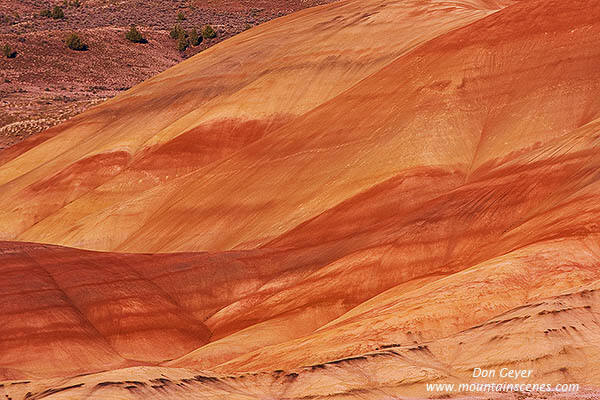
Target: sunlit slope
437, 215
463, 102
202, 111
375, 242
258, 300
428, 222
252, 302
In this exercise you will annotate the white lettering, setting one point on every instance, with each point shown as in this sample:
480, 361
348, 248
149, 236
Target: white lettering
483, 373
515, 373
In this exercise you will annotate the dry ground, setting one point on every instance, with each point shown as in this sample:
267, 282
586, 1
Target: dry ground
47, 83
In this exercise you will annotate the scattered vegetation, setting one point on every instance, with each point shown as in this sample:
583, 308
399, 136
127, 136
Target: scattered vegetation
133, 35
195, 38
177, 32
208, 32
56, 13
8, 51
74, 42
181, 16
182, 43
185, 38
72, 3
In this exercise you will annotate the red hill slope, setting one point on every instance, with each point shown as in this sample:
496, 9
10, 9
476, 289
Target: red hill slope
368, 197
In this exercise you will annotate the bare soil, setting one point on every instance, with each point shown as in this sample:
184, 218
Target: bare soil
47, 83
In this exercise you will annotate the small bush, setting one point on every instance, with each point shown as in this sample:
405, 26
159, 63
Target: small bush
75, 3
8, 51
74, 42
185, 39
46, 13
208, 32
133, 35
182, 43
181, 16
57, 13
177, 32
195, 38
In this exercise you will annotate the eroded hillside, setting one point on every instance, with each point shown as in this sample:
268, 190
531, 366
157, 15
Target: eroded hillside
357, 200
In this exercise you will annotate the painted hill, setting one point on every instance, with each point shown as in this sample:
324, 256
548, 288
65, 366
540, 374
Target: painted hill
47, 83
172, 129
347, 202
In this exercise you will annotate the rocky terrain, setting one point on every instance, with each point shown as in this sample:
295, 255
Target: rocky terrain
353, 201
47, 83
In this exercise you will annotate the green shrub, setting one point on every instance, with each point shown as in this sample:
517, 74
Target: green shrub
46, 13
74, 42
182, 43
181, 16
184, 38
208, 32
57, 13
133, 35
195, 38
177, 32
8, 51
